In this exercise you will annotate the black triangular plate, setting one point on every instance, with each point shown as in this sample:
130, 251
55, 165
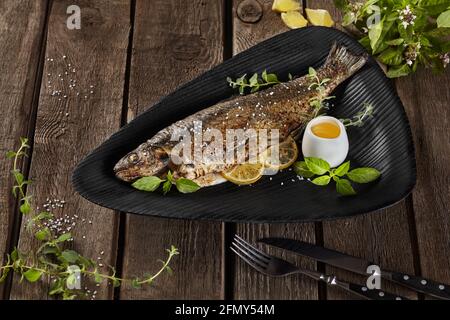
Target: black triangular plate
384, 143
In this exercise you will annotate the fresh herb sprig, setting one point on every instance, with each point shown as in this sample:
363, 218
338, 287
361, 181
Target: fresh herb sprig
255, 82
152, 183
54, 260
319, 85
401, 34
358, 119
20, 181
319, 172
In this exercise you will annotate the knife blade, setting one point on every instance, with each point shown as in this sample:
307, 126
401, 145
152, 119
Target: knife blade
358, 265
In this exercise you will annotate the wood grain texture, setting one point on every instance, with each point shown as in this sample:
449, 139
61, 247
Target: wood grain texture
68, 128
249, 284
382, 237
21, 32
426, 98
174, 41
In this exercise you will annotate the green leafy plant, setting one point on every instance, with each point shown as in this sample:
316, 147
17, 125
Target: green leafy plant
317, 84
152, 183
255, 82
319, 172
54, 260
402, 34
358, 119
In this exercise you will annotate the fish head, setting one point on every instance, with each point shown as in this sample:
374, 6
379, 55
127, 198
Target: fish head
145, 161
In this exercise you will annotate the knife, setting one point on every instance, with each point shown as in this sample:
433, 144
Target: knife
358, 265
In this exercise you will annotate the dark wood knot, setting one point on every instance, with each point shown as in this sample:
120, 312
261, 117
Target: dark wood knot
249, 11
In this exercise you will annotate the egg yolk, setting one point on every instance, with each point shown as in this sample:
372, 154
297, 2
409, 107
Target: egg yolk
326, 130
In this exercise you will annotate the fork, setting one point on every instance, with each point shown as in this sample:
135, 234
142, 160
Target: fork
276, 267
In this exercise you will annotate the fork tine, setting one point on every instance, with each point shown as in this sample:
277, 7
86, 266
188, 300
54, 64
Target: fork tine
252, 248
254, 258
249, 262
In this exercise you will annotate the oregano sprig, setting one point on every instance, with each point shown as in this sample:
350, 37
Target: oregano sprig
319, 172
358, 119
318, 102
54, 260
255, 82
18, 189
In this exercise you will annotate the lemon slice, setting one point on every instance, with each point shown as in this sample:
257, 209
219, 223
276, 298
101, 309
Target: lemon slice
285, 5
246, 173
319, 17
294, 19
287, 154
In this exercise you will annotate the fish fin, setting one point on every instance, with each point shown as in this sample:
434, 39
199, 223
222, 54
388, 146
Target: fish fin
341, 58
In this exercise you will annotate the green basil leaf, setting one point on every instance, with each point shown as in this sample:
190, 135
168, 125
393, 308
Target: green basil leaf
167, 186
302, 169
443, 21
254, 80
321, 181
186, 186
272, 77
395, 42
363, 175
147, 183
10, 154
392, 56
344, 187
342, 169
399, 71
25, 207
375, 34
317, 166
264, 75
32, 275
434, 7
43, 234
70, 256
64, 237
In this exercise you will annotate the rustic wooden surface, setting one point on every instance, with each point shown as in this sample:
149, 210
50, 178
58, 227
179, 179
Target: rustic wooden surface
133, 52
22, 24
180, 40
385, 233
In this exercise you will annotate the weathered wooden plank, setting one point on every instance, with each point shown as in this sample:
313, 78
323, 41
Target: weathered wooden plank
21, 33
173, 42
68, 128
254, 21
382, 237
426, 97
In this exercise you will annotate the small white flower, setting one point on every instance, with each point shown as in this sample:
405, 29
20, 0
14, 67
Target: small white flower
405, 24
409, 62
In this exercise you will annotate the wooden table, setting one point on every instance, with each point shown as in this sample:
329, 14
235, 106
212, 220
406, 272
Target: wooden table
133, 52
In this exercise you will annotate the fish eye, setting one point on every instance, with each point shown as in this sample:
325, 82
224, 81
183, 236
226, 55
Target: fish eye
133, 158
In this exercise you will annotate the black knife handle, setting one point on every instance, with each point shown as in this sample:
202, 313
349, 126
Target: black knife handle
362, 291
433, 288
372, 294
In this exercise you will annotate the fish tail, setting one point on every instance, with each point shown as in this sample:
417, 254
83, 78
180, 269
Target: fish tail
344, 61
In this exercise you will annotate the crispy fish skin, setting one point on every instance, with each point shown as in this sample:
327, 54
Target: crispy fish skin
285, 107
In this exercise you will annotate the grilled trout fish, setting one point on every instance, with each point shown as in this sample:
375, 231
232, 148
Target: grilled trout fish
285, 107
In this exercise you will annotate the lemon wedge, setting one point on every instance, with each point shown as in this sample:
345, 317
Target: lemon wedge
287, 154
285, 5
293, 19
246, 173
319, 17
